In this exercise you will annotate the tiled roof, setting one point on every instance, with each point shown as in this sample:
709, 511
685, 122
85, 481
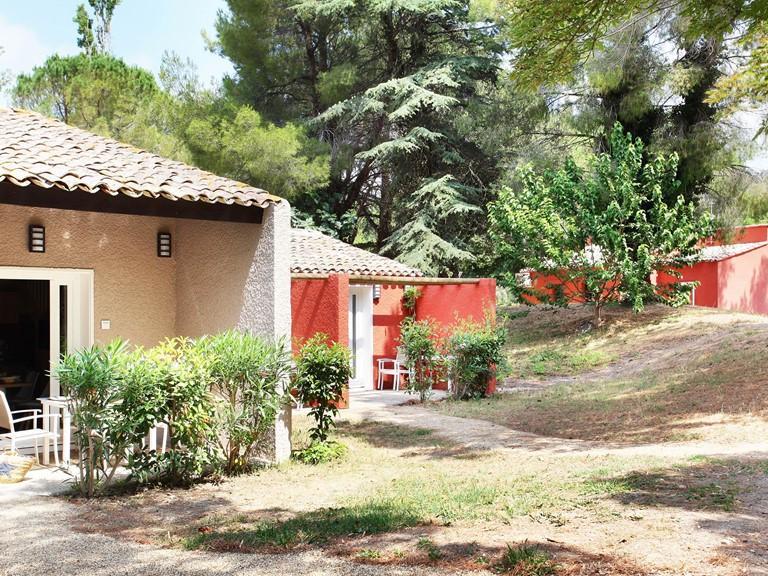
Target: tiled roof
41, 151
717, 253
315, 253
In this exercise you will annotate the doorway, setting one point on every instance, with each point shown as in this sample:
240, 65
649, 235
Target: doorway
361, 336
44, 313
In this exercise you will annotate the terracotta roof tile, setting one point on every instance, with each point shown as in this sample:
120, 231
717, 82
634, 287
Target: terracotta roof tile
315, 253
41, 151
717, 253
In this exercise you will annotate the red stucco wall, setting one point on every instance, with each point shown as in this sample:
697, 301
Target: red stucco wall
387, 315
742, 235
320, 306
743, 282
446, 304
706, 294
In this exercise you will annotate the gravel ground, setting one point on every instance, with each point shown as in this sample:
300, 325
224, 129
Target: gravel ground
36, 541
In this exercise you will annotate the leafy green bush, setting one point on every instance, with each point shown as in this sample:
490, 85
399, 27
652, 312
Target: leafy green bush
182, 374
475, 351
418, 339
411, 295
92, 379
217, 397
320, 452
323, 371
248, 376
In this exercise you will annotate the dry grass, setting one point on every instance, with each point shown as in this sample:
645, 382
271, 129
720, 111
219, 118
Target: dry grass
406, 496
676, 375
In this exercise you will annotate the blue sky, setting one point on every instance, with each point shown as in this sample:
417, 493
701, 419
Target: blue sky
31, 30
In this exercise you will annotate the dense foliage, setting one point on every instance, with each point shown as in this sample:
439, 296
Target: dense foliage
217, 399
249, 376
394, 124
419, 340
602, 232
385, 85
323, 370
475, 351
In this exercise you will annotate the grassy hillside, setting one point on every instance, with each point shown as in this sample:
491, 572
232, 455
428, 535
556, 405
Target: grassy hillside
688, 374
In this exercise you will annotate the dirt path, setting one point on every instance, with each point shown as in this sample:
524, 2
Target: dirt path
484, 435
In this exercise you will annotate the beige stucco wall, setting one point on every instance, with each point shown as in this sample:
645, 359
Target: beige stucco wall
133, 288
222, 275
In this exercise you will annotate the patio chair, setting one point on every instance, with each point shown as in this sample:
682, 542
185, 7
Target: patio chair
9, 421
395, 367
27, 398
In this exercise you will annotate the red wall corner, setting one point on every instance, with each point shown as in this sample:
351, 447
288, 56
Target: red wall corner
320, 305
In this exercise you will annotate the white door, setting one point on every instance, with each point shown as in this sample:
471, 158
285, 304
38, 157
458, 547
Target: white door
71, 308
361, 335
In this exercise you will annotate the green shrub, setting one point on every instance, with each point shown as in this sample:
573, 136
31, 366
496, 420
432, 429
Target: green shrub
248, 377
92, 379
321, 452
475, 352
411, 295
323, 371
418, 339
182, 374
217, 396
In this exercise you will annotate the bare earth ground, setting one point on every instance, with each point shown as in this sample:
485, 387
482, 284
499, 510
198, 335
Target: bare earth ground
640, 451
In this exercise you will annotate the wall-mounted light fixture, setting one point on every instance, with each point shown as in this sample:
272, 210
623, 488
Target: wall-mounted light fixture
164, 244
36, 238
376, 291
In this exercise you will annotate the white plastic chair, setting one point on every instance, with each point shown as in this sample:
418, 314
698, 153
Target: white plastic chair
9, 422
399, 368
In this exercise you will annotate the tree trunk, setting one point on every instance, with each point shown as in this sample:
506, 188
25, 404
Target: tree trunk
597, 319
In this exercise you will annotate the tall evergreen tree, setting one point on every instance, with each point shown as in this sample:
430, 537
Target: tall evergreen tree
383, 83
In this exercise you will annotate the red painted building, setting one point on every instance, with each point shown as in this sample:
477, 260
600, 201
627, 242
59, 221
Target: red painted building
732, 276
732, 273
355, 297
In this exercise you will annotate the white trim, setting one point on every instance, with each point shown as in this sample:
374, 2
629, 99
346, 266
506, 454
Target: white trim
362, 320
80, 313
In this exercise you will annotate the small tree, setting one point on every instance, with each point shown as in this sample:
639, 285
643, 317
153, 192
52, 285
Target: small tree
418, 339
602, 232
323, 371
249, 375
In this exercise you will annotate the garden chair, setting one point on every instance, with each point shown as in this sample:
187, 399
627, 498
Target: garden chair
27, 398
9, 421
396, 367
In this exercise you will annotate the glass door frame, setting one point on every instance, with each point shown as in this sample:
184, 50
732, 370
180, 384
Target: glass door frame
79, 307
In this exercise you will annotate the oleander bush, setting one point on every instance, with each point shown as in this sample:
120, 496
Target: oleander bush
217, 397
249, 376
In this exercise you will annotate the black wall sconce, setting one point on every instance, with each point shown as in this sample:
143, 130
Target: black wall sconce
376, 291
164, 244
36, 238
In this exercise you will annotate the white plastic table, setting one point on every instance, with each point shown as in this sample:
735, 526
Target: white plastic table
61, 405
